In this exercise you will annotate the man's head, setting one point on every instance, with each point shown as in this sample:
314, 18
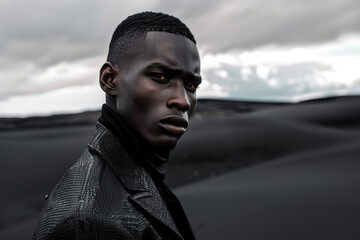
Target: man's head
151, 76
130, 33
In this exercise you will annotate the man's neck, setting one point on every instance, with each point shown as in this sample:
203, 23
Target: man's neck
152, 159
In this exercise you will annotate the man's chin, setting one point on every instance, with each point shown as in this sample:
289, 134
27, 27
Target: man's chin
166, 145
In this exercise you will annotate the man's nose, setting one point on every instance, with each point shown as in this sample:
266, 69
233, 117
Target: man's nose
179, 98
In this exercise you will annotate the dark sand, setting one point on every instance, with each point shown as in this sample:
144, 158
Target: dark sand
285, 172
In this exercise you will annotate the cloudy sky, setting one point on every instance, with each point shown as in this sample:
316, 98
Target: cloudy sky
278, 50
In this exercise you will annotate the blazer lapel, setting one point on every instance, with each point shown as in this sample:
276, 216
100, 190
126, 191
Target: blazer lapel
134, 177
153, 205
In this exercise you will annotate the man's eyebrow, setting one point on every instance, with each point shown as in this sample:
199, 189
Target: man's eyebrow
163, 67
171, 70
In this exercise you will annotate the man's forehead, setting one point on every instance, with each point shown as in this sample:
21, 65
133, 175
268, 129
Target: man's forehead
171, 47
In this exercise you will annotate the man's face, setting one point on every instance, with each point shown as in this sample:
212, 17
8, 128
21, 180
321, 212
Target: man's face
157, 88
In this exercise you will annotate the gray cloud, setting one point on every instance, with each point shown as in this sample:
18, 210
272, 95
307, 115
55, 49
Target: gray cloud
283, 82
38, 34
46, 32
227, 25
50, 31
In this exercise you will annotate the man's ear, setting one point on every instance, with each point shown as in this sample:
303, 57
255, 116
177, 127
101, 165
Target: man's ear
108, 75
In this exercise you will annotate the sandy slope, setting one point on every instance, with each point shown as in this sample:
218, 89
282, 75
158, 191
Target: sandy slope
307, 176
314, 195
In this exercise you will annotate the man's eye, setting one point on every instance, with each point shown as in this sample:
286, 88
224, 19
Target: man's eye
191, 86
160, 77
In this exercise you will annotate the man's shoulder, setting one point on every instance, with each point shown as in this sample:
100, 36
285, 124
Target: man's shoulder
74, 194
80, 182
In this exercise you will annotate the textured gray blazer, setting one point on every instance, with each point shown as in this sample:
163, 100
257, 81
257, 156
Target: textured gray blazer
105, 195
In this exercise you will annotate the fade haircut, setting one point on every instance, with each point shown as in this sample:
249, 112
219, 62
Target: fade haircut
132, 31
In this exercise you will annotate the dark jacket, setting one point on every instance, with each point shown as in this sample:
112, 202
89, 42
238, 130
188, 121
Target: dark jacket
105, 195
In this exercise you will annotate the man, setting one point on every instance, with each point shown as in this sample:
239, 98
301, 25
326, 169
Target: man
116, 190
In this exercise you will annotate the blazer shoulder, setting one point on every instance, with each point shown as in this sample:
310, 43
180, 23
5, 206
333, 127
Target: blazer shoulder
80, 183
73, 195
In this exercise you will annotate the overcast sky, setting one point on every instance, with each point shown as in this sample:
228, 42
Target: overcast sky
278, 50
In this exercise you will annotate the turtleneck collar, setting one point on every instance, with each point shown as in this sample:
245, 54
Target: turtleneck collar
137, 147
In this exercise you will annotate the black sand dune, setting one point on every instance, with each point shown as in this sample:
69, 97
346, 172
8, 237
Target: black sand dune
314, 195
242, 171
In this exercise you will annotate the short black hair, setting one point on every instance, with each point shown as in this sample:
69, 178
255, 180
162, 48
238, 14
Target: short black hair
132, 31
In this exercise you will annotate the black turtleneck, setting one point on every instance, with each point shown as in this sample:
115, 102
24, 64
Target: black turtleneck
151, 161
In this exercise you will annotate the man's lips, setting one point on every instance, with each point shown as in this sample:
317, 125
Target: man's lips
174, 124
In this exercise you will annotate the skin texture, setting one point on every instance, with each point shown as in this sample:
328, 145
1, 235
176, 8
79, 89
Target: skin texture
155, 90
